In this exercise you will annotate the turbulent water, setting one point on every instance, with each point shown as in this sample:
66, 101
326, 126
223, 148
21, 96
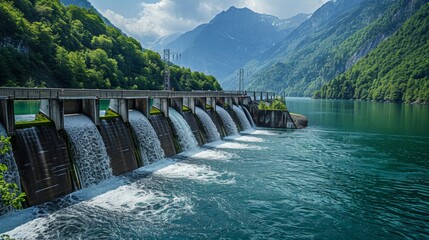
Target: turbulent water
88, 150
359, 171
228, 123
245, 124
186, 137
150, 147
209, 126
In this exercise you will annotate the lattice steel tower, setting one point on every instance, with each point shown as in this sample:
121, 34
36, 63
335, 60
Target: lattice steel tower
241, 79
167, 69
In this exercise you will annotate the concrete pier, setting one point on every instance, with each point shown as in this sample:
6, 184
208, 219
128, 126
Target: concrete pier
7, 116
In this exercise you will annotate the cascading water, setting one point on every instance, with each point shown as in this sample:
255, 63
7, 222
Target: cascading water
88, 150
249, 116
186, 137
12, 173
242, 117
227, 121
210, 128
150, 147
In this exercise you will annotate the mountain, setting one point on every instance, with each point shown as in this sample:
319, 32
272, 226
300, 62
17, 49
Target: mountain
46, 44
335, 37
397, 70
230, 39
185, 41
161, 43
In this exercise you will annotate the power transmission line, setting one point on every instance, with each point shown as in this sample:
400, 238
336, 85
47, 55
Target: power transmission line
241, 79
166, 58
241, 74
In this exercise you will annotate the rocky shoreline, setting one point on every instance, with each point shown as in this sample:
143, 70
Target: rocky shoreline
300, 120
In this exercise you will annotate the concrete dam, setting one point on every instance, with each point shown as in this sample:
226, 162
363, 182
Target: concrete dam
77, 145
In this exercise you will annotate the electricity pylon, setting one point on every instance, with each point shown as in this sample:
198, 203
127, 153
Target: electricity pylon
166, 58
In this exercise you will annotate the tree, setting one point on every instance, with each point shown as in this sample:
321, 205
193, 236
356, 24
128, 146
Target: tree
9, 192
277, 104
43, 41
396, 70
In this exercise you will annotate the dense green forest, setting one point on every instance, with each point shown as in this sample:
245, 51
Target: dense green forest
397, 70
46, 44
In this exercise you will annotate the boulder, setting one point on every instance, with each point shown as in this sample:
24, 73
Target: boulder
300, 120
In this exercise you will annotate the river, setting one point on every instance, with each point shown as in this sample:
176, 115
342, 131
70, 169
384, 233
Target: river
359, 171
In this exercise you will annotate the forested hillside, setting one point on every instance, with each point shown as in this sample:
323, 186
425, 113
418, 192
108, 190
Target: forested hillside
44, 43
397, 70
87, 5
326, 45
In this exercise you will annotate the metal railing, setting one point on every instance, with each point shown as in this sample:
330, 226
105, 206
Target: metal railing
58, 93
66, 93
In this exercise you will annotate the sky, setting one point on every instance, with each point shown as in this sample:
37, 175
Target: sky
148, 20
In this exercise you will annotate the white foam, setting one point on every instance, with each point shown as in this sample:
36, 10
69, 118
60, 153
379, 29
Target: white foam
98, 189
233, 145
260, 132
156, 166
135, 199
228, 145
249, 139
130, 198
207, 154
201, 173
31, 229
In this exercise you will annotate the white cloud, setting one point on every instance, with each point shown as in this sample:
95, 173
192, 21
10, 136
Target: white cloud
170, 16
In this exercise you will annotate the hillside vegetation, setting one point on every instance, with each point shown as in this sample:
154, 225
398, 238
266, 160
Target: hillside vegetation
44, 43
397, 70
329, 43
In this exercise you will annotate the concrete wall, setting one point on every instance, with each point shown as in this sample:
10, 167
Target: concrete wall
43, 162
165, 134
7, 117
119, 145
192, 122
274, 119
